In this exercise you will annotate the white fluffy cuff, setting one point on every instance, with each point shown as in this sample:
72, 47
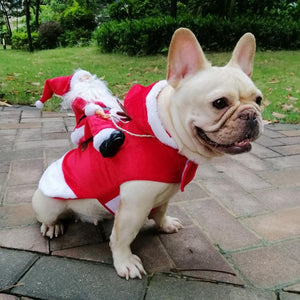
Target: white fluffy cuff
91, 108
39, 104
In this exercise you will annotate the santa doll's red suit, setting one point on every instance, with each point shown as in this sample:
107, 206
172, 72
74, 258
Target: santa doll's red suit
86, 174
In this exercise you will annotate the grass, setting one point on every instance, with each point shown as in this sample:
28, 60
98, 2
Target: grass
22, 75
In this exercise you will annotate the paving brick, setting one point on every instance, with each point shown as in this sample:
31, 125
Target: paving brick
31, 113
85, 280
21, 154
243, 176
42, 144
270, 266
289, 296
17, 215
76, 234
287, 149
279, 198
175, 210
295, 132
165, 288
24, 238
285, 162
236, 199
270, 132
222, 228
293, 288
13, 264
7, 297
290, 140
285, 177
32, 134
251, 162
268, 141
279, 225
20, 168
191, 191
190, 249
95, 252
263, 152
20, 194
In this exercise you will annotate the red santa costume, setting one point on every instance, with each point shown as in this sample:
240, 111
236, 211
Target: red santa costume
84, 93
86, 174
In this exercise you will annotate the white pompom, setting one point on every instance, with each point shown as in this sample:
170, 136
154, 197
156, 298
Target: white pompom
39, 104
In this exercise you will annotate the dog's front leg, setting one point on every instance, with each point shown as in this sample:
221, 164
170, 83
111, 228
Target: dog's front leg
137, 200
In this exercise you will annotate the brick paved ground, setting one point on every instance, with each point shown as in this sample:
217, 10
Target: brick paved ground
241, 216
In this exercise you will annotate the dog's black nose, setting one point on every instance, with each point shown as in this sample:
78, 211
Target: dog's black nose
248, 115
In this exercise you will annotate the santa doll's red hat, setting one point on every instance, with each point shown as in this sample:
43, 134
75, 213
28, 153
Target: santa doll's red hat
58, 86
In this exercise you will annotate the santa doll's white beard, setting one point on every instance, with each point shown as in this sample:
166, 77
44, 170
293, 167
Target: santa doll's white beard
91, 90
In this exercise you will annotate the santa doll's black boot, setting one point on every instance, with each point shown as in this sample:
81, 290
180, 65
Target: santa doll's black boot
111, 146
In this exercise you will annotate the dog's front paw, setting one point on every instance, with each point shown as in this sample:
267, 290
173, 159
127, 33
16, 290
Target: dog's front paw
52, 230
170, 225
130, 267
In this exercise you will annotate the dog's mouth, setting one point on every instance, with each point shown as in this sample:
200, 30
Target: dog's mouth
235, 148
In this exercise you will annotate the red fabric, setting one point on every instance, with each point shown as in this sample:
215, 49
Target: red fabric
58, 86
93, 124
90, 175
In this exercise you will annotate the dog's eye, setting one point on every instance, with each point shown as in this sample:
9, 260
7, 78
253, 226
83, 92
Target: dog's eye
258, 100
220, 103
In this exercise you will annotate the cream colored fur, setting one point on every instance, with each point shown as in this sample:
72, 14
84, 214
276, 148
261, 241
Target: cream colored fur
186, 108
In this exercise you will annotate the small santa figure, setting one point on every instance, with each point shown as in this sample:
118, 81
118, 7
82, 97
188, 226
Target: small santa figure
94, 107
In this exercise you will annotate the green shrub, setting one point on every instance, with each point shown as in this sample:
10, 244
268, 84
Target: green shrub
152, 35
19, 40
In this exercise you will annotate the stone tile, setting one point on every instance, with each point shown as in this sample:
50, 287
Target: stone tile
295, 132
7, 297
290, 140
274, 265
95, 252
263, 152
77, 280
283, 127
56, 136
285, 177
51, 114
175, 210
13, 264
243, 176
285, 162
288, 149
76, 234
268, 141
167, 287
20, 168
233, 197
208, 172
21, 154
191, 191
293, 288
271, 133
190, 249
25, 238
279, 225
148, 247
222, 228
252, 162
289, 296
20, 194
42, 144
31, 113
32, 134
279, 198
17, 215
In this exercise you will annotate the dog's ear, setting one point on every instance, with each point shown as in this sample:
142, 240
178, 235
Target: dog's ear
185, 56
243, 54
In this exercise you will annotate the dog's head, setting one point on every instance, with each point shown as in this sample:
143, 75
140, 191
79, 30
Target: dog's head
210, 110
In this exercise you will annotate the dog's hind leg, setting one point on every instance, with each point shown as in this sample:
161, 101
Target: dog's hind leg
47, 211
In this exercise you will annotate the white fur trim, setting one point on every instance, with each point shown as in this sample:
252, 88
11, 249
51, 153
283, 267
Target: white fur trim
113, 204
153, 118
100, 137
53, 183
39, 104
77, 134
90, 109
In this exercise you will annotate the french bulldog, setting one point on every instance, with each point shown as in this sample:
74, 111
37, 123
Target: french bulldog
198, 111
